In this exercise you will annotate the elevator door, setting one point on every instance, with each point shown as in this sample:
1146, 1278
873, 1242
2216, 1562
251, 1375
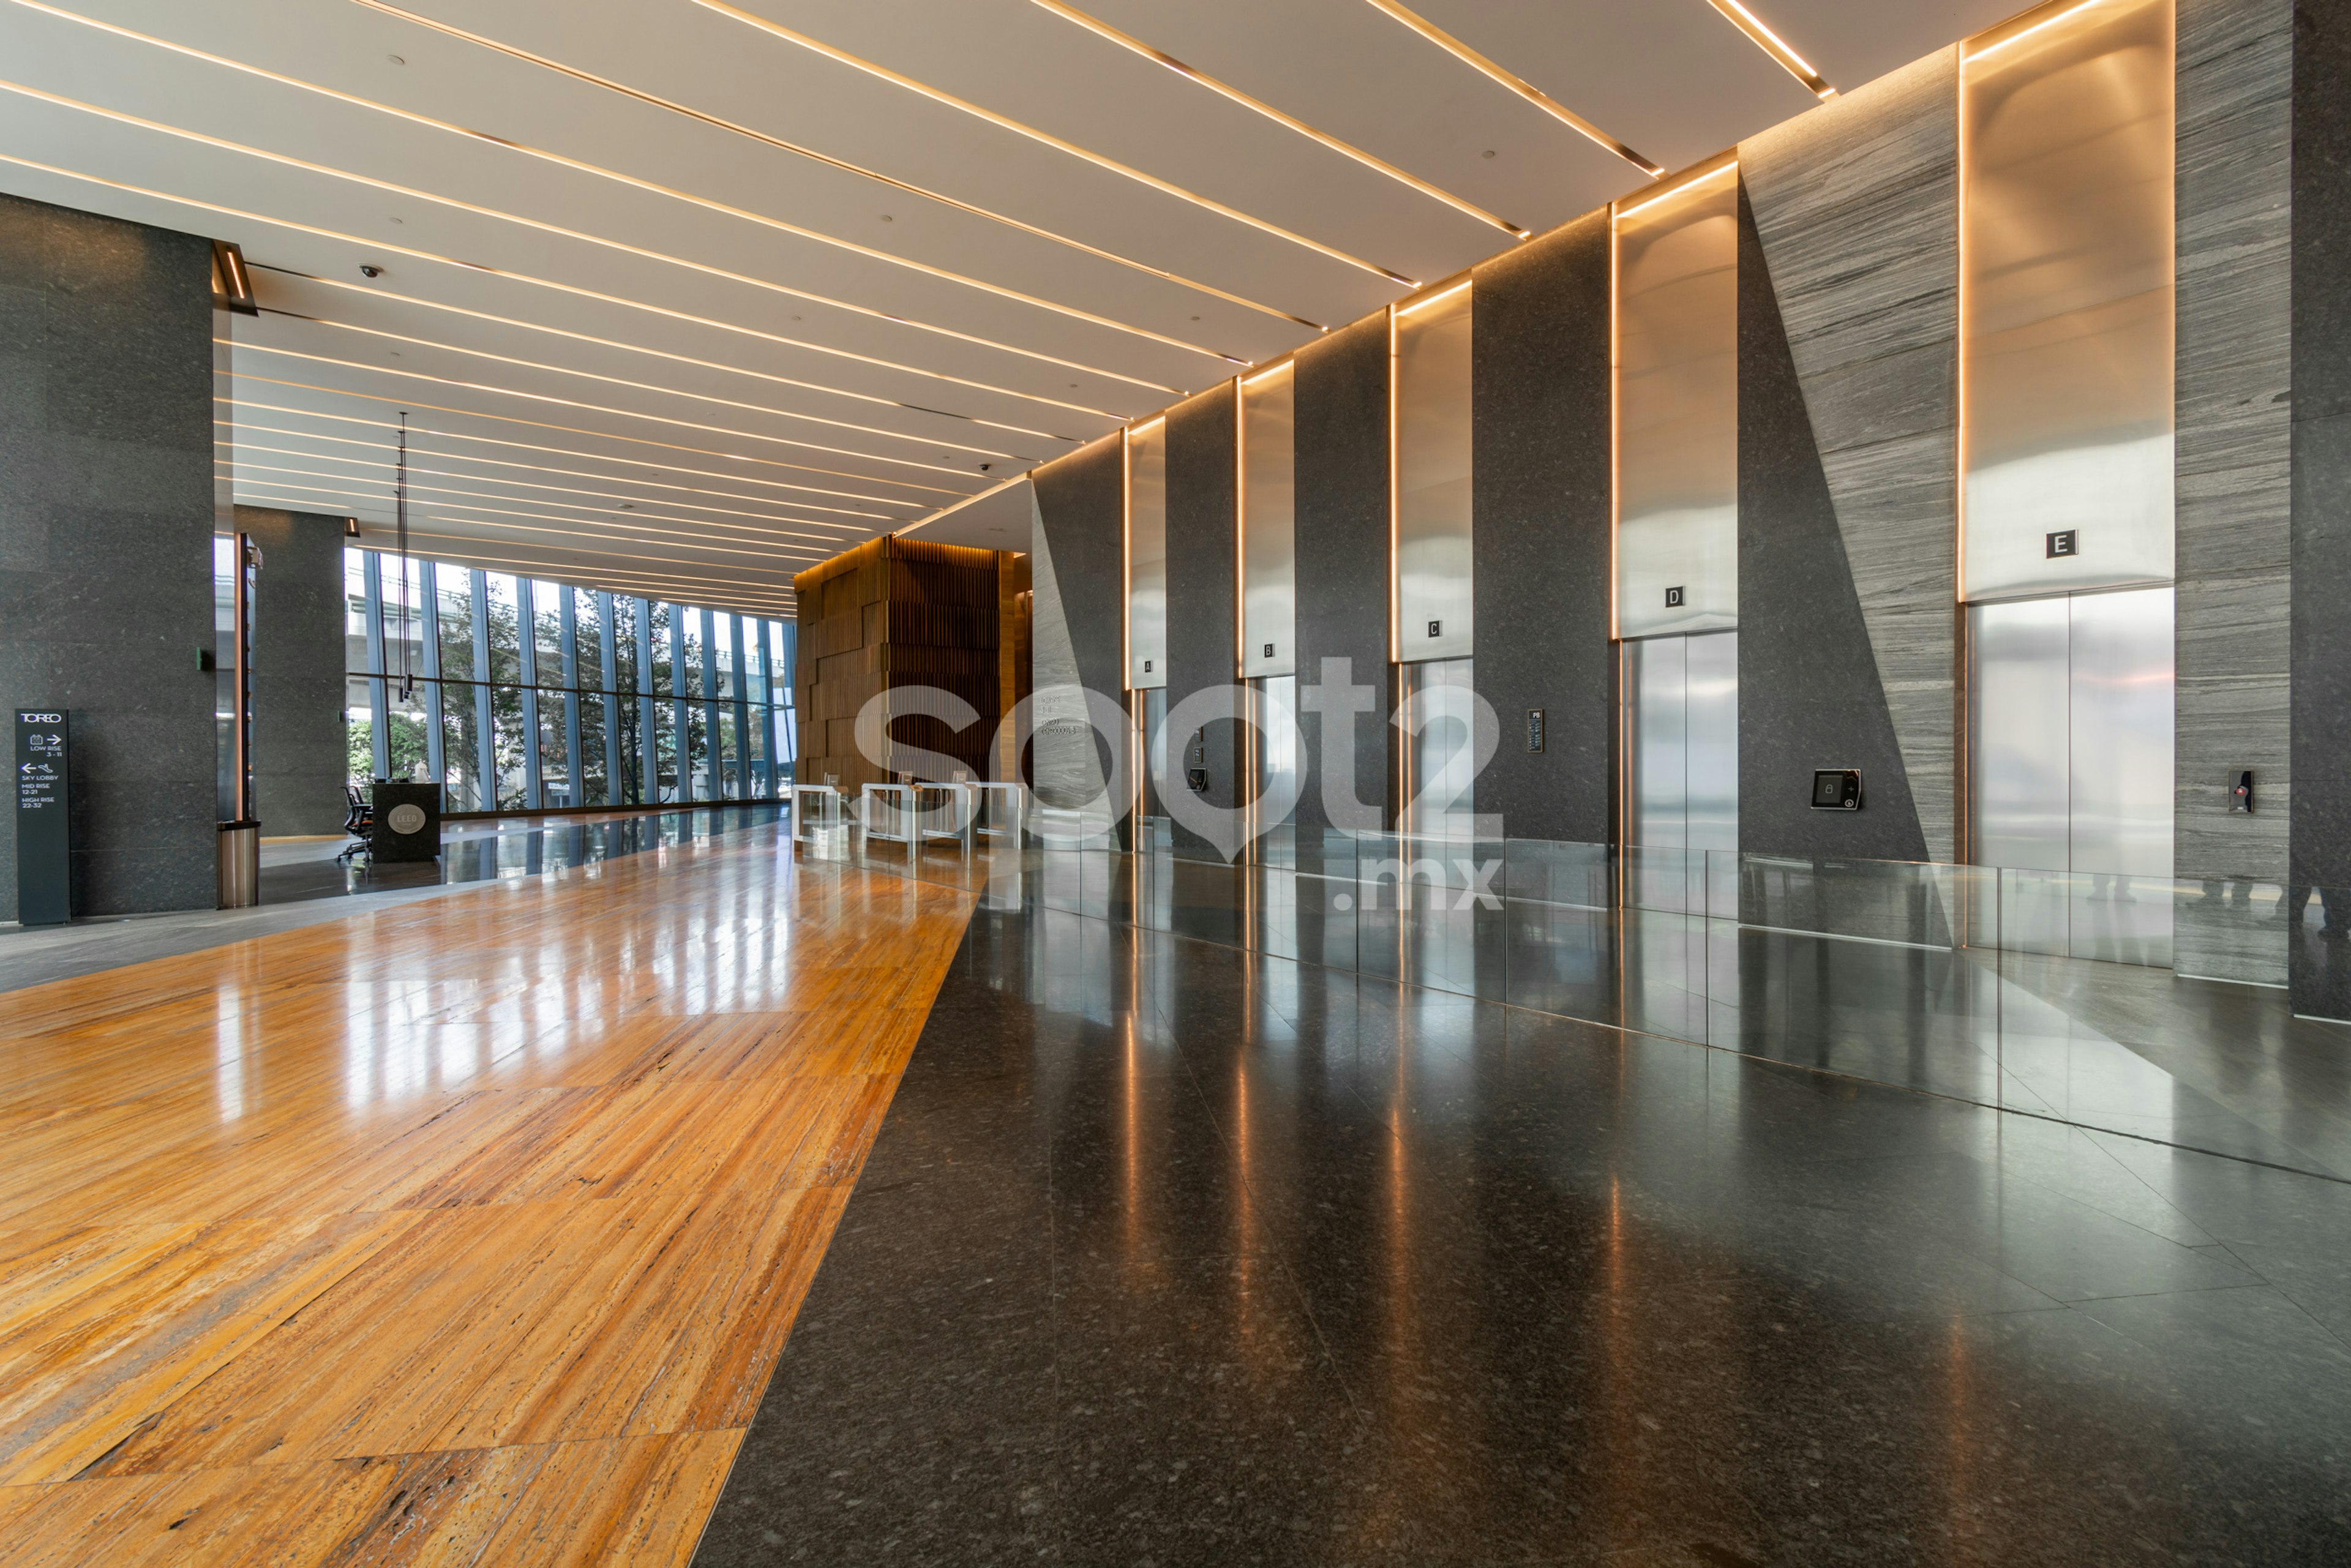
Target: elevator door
1681, 731
1273, 770
2070, 746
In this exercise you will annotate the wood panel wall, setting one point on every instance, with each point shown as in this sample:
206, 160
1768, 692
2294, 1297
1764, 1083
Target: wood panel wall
893, 613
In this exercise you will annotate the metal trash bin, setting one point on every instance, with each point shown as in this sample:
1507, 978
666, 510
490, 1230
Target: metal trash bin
240, 864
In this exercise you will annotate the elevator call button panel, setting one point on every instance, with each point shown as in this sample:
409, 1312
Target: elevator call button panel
1836, 789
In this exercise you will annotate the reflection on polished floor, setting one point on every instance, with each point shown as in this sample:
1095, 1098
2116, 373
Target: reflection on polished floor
1171, 1252
465, 1230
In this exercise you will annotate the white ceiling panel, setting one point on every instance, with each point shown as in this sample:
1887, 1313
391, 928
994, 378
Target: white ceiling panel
676, 304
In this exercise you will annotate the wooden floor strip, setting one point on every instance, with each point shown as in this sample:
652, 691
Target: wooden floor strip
467, 1232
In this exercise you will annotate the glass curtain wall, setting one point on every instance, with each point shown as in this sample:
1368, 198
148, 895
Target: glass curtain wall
523, 694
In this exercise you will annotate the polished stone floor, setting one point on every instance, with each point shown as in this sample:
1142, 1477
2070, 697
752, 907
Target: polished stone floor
1170, 1252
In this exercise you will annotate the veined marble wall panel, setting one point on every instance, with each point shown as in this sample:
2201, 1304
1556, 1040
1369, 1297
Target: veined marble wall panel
1856, 203
2233, 539
1077, 541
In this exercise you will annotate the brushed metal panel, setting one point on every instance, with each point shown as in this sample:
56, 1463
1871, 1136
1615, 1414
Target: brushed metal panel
1146, 557
1440, 764
1273, 751
1678, 409
2122, 732
1432, 479
2071, 742
2065, 301
1711, 744
1268, 523
2020, 733
1656, 759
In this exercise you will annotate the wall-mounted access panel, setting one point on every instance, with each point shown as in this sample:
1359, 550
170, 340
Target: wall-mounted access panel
1676, 393
1268, 522
1146, 556
1429, 389
2065, 300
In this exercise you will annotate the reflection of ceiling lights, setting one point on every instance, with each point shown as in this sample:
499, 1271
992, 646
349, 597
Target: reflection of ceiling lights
1047, 139
1772, 43
1517, 84
1127, 41
657, 101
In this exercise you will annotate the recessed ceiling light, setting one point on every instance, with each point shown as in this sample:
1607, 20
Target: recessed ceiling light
396, 60
888, 219
1488, 153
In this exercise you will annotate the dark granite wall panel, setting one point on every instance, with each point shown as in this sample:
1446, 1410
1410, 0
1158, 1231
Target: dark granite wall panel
1077, 564
2320, 828
1343, 555
1203, 580
2233, 516
106, 530
300, 753
1809, 695
1540, 413
1857, 205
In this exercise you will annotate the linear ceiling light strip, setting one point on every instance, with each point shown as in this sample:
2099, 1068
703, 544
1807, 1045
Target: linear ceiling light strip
602, 242
239, 435
237, 403
244, 376
570, 527
599, 171
240, 465
1047, 139
576, 291
660, 354
647, 386
494, 390
773, 597
1772, 43
1517, 84
1127, 41
671, 106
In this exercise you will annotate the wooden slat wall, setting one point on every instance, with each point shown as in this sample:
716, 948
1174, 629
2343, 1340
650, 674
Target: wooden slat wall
897, 612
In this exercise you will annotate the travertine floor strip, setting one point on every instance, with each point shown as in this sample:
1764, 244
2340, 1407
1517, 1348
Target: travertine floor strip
467, 1232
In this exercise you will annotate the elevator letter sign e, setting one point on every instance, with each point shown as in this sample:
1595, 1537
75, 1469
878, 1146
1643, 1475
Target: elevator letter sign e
2067, 542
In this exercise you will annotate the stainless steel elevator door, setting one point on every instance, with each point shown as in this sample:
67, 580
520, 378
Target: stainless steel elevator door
1440, 761
2070, 744
1273, 771
1683, 757
1681, 784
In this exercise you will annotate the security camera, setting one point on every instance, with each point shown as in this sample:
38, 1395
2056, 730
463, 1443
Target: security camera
366, 271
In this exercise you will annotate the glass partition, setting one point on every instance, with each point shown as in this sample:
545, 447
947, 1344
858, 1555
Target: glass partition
563, 718
1928, 976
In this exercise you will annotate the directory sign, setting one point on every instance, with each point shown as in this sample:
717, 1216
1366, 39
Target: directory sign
43, 844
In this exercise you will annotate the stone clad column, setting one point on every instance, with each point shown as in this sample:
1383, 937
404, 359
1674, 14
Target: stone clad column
106, 537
